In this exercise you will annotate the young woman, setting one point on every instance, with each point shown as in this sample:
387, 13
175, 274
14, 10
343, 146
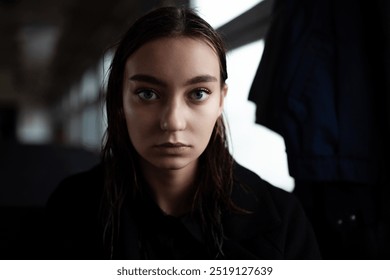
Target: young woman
167, 187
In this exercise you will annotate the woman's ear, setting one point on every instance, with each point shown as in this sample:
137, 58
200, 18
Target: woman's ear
224, 91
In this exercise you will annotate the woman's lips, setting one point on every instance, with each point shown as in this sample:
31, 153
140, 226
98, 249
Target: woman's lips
172, 145
170, 148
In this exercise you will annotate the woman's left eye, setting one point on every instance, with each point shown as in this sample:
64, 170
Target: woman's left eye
200, 94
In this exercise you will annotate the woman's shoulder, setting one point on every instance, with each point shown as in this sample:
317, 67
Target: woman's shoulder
73, 225
273, 224
78, 189
251, 188
87, 177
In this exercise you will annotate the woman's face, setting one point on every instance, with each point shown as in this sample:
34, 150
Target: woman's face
172, 97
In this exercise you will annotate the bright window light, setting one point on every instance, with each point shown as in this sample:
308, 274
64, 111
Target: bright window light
211, 10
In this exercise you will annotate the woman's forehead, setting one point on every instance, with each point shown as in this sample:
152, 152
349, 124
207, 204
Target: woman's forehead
171, 44
177, 56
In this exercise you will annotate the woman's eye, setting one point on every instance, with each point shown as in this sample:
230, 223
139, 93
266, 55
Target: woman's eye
147, 94
200, 94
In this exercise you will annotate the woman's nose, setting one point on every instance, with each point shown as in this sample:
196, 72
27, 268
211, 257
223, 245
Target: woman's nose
172, 118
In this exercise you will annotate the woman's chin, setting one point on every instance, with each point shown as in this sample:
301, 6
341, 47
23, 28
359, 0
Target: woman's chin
172, 164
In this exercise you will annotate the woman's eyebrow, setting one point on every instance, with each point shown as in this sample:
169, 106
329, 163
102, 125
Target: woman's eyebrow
153, 80
147, 79
201, 79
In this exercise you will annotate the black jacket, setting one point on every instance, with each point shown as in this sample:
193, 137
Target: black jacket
321, 85
277, 227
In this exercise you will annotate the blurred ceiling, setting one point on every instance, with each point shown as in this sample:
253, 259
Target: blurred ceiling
46, 45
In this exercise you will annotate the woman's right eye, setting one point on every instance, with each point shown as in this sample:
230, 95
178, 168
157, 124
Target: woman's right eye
147, 94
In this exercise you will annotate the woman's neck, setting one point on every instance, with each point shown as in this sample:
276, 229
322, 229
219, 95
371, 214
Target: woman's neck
172, 189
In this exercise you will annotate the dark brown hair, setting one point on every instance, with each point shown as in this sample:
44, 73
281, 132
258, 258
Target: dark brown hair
122, 172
